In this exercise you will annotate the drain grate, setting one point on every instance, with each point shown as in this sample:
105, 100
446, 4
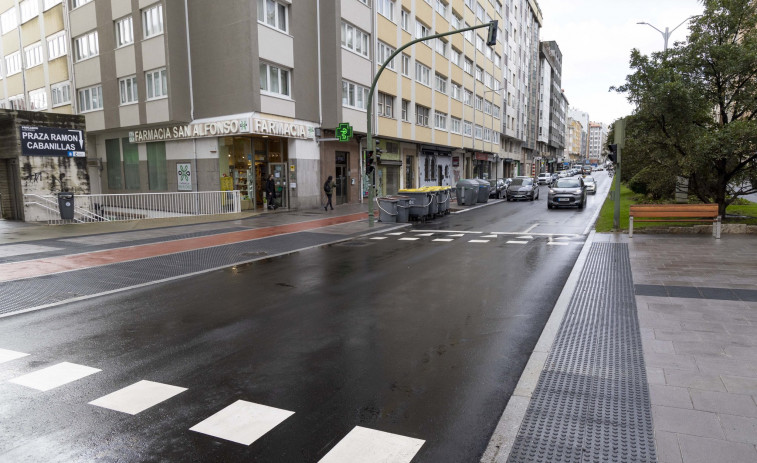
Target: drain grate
591, 403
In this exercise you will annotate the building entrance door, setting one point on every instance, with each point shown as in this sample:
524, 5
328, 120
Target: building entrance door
341, 180
279, 171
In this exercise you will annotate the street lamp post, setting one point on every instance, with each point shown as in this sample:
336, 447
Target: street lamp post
666, 35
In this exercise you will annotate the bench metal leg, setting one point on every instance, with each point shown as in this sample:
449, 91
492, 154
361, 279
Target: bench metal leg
630, 227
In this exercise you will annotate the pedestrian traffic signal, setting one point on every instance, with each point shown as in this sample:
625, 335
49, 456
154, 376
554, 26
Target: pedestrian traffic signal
613, 156
378, 154
369, 162
491, 36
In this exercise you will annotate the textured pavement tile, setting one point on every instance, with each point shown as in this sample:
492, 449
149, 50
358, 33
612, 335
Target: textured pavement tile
694, 380
727, 339
723, 294
670, 396
683, 421
708, 327
667, 447
683, 291
679, 362
746, 294
650, 290
699, 450
740, 384
655, 375
665, 334
723, 402
663, 347
697, 348
735, 351
739, 428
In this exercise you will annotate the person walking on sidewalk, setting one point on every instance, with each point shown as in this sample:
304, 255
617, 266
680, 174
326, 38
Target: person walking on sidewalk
270, 192
328, 188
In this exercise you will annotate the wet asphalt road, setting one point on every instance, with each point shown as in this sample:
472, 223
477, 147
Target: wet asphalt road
419, 338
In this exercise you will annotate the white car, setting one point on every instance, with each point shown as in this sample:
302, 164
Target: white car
544, 178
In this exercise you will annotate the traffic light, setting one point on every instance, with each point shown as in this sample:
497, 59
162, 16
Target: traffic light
378, 154
369, 162
491, 36
613, 156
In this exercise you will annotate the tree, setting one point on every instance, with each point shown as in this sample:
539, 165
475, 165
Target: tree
696, 105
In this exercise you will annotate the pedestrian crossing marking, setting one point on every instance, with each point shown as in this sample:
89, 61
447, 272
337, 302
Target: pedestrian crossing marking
555, 243
562, 238
425, 234
489, 236
379, 238
396, 233
444, 240
478, 241
456, 236
363, 445
138, 397
8, 355
242, 422
517, 242
54, 376
524, 237
409, 239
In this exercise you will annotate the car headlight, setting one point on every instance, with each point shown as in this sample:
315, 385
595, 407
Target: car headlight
551, 191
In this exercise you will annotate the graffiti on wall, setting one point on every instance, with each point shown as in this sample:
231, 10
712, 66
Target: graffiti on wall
46, 175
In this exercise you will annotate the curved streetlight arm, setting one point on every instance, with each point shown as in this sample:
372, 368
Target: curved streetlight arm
690, 17
658, 30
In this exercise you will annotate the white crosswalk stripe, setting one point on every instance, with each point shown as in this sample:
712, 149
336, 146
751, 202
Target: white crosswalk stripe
478, 241
379, 238
557, 243
443, 240
242, 422
8, 355
54, 376
363, 445
138, 397
409, 239
517, 242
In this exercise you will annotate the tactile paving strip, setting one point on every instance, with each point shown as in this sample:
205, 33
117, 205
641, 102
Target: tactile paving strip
591, 403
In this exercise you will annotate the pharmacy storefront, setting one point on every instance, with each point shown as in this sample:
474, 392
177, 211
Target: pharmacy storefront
228, 153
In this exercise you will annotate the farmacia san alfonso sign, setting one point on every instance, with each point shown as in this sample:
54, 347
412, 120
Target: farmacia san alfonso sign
51, 141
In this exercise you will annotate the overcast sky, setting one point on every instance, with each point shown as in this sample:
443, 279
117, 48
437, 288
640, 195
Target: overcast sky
596, 38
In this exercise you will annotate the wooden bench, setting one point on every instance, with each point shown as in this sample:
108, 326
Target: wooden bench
675, 213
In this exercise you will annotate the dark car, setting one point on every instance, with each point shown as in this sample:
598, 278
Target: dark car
497, 188
522, 188
567, 191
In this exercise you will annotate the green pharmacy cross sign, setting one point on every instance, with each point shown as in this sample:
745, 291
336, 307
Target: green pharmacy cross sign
344, 131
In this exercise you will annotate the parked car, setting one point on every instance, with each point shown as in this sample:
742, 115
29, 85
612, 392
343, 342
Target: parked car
507, 181
567, 192
497, 188
522, 188
544, 178
555, 176
591, 184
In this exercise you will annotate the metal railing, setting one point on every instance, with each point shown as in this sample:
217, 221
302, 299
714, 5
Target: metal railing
136, 206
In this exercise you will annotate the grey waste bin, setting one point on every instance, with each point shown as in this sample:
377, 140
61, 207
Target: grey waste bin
483, 190
467, 192
66, 205
387, 209
403, 209
433, 206
442, 199
419, 203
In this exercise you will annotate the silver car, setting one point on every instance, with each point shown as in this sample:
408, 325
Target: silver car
591, 185
522, 188
567, 191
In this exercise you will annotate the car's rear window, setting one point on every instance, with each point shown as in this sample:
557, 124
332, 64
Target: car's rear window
568, 183
522, 181
588, 179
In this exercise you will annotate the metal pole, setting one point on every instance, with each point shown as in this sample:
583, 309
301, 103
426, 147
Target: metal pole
369, 144
616, 213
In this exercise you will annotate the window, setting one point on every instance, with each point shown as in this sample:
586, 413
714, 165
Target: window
157, 83
354, 95
469, 4
456, 22
488, 79
157, 173
385, 105
78, 3
405, 20
355, 40
91, 98
468, 97
468, 66
385, 8
152, 21
488, 52
273, 13
479, 73
86, 46
479, 43
497, 60
468, 34
8, 20
29, 9
365, 2
440, 120
127, 87
421, 30
441, 47
124, 31
441, 83
487, 134
51, 3
33, 55
454, 125
479, 132
421, 115
441, 8
405, 110
456, 91
57, 45
131, 164
479, 103
467, 129
480, 12
384, 51
422, 74
487, 107
273, 79
61, 93
13, 64
405, 65
17, 102
496, 111
38, 100
454, 56
113, 159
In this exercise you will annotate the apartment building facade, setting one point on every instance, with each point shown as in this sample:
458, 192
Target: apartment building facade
597, 140
552, 106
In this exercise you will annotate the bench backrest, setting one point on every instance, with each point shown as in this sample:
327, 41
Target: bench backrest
674, 210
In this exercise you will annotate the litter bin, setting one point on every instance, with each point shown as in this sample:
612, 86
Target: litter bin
467, 192
403, 208
443, 193
66, 205
483, 190
419, 202
433, 206
387, 209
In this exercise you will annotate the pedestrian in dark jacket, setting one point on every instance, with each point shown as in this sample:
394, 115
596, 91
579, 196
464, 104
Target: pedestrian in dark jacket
328, 189
270, 191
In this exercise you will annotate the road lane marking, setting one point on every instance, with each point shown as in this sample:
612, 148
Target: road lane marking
138, 397
530, 228
396, 233
489, 236
562, 238
408, 239
379, 238
425, 234
525, 237
556, 243
242, 422
54, 376
8, 355
363, 445
445, 240
478, 241
446, 231
456, 236
517, 242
